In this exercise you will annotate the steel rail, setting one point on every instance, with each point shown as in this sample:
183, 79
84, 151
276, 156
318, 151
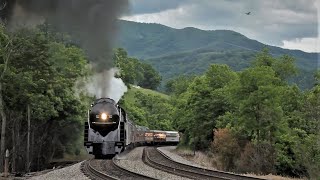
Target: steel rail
161, 161
89, 170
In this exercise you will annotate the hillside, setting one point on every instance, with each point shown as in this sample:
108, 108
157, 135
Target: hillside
198, 61
129, 96
190, 50
148, 108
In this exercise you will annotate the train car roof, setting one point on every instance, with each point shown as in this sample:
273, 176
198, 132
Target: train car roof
171, 131
157, 131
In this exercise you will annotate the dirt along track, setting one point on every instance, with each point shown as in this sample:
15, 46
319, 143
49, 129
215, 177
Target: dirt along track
108, 169
156, 159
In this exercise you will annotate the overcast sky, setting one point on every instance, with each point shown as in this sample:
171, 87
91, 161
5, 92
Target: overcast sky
292, 24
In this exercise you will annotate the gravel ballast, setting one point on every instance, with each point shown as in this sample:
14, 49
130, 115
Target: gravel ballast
133, 162
68, 173
167, 150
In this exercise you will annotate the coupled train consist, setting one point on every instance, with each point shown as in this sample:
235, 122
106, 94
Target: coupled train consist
108, 131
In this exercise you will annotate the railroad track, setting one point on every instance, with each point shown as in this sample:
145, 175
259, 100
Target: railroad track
108, 169
89, 169
156, 159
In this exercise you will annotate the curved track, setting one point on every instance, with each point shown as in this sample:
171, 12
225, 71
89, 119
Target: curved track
89, 169
156, 159
108, 169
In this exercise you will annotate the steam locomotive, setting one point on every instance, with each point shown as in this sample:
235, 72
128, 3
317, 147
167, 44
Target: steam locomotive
108, 131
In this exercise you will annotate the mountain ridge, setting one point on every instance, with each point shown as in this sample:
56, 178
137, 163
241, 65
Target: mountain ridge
216, 33
165, 47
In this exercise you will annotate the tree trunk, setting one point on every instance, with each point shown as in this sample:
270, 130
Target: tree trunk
32, 148
18, 145
3, 129
38, 158
2, 108
257, 116
13, 152
28, 141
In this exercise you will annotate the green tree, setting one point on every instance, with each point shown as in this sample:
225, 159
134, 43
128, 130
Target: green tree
133, 71
274, 122
41, 74
284, 66
130, 70
157, 111
178, 85
5, 53
259, 104
151, 78
206, 101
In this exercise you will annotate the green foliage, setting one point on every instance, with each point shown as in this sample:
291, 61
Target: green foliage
269, 125
178, 85
311, 110
258, 103
132, 71
272, 121
284, 66
130, 68
309, 151
197, 62
205, 100
41, 73
148, 108
151, 78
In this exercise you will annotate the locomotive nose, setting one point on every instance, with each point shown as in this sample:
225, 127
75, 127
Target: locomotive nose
104, 116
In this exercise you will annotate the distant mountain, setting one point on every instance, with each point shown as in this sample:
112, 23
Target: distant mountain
191, 51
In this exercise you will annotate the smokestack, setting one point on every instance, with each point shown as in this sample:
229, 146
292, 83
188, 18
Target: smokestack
91, 22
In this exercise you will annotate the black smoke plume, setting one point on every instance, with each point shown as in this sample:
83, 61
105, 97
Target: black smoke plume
91, 22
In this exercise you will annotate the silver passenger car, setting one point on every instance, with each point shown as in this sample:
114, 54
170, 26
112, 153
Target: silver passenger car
172, 137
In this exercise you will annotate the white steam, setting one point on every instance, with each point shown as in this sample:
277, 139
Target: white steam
105, 85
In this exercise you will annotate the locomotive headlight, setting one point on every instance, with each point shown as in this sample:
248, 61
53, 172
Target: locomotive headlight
104, 116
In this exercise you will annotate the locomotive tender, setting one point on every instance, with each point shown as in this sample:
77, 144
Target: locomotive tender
108, 130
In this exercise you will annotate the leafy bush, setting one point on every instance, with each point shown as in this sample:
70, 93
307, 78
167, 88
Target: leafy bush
226, 148
256, 158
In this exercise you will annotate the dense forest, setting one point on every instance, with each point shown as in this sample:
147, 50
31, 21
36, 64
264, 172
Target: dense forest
39, 108
42, 109
250, 120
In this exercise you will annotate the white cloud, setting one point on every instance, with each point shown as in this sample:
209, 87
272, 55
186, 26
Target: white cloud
173, 17
304, 44
289, 16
